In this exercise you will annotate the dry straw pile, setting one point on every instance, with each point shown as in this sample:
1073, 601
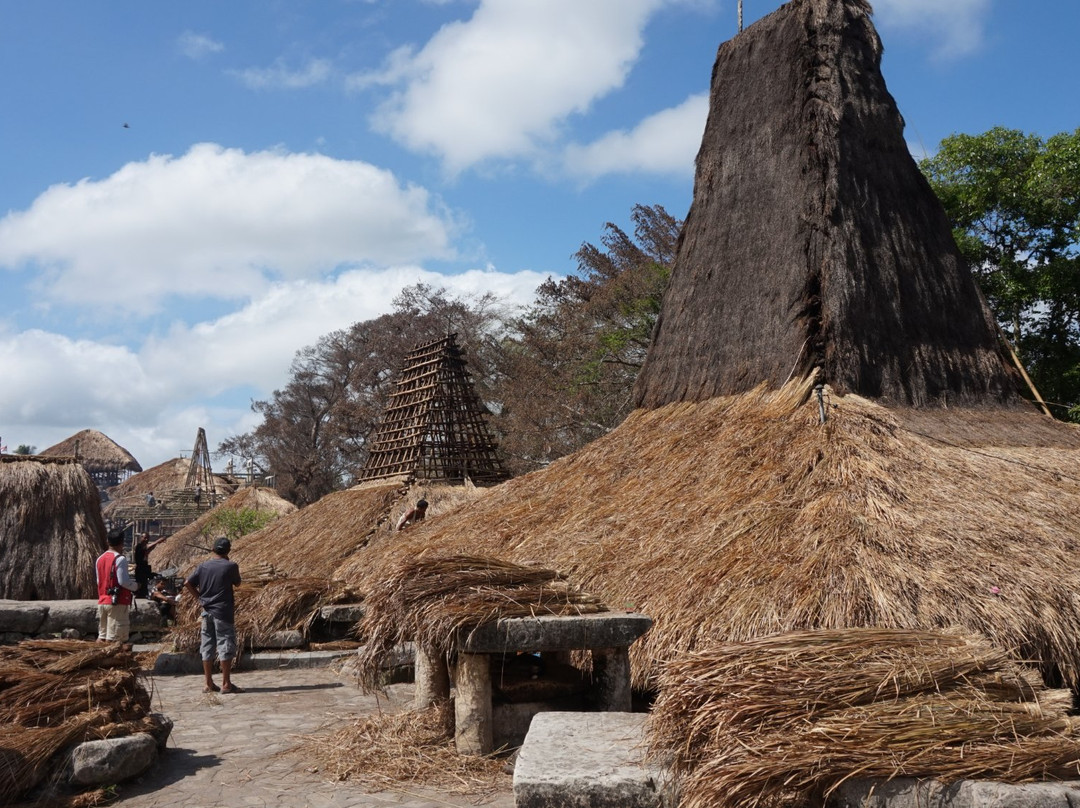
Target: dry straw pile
431, 600
783, 720
388, 751
57, 693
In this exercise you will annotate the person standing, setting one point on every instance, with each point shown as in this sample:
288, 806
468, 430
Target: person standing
212, 583
143, 570
115, 590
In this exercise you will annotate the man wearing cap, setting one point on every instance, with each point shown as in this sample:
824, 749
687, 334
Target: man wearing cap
212, 583
114, 589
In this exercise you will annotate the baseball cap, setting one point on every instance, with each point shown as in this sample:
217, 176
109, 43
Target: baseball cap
222, 545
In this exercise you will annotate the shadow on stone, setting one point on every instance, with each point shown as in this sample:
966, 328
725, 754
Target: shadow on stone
172, 766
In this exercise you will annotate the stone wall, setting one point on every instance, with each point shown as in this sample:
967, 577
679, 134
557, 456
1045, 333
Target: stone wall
70, 619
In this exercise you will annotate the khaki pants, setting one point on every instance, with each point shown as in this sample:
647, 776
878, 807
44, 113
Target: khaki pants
114, 623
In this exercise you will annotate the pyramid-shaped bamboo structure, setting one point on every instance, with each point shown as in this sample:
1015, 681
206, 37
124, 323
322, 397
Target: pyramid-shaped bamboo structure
433, 428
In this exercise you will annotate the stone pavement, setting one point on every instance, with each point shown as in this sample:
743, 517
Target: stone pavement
223, 749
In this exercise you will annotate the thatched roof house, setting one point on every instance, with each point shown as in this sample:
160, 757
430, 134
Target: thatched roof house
725, 507
193, 541
107, 462
814, 241
50, 529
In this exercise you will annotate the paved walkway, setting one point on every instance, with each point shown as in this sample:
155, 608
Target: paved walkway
223, 749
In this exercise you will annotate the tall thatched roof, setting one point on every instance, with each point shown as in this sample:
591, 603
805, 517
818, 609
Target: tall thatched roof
813, 239
50, 529
744, 516
95, 450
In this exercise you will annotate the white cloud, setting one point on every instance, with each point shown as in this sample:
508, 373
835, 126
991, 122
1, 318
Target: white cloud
281, 77
956, 26
500, 84
198, 46
664, 143
220, 223
152, 398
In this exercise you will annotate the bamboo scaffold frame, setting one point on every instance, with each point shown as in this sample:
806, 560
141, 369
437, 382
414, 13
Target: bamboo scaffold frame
433, 427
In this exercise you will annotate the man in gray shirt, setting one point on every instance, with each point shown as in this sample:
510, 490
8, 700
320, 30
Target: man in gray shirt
212, 583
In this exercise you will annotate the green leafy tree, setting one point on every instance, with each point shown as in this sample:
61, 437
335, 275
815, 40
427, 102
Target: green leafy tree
234, 524
25, 449
568, 371
1014, 201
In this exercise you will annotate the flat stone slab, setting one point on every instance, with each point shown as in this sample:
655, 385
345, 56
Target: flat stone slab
589, 760
342, 613
54, 616
172, 663
912, 793
551, 633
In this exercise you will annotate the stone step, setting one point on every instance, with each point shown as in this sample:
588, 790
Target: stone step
589, 760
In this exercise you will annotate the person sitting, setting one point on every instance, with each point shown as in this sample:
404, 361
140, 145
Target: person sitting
413, 515
165, 600
150, 501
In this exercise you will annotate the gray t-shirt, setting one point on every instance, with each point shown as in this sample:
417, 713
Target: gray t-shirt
215, 580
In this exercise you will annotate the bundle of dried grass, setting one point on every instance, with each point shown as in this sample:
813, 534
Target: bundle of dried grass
430, 600
54, 694
264, 607
782, 720
388, 750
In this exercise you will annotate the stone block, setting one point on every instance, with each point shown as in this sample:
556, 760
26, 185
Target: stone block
591, 760
342, 613
285, 639
98, 763
551, 633
913, 793
80, 615
22, 617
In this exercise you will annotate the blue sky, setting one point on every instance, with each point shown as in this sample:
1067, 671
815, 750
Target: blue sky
190, 192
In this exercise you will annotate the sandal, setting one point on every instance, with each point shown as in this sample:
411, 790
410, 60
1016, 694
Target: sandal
231, 688
211, 689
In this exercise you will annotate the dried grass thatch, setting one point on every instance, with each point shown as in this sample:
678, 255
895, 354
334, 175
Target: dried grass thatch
96, 451
813, 240
386, 751
783, 720
744, 516
318, 539
264, 607
56, 693
193, 541
51, 530
160, 480
432, 599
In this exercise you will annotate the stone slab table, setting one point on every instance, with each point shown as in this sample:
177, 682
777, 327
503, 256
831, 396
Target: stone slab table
608, 635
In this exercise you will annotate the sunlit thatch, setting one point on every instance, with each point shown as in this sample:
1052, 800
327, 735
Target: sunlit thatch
783, 720
50, 529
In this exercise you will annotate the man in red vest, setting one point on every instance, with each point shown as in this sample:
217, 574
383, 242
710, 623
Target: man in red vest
115, 590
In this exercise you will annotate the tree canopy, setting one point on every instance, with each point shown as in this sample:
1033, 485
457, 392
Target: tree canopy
554, 376
1014, 201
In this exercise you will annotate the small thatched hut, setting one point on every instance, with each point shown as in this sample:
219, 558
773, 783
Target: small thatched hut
50, 529
318, 539
828, 433
193, 541
107, 462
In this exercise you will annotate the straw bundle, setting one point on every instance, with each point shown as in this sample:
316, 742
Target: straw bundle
783, 720
430, 600
54, 694
385, 751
